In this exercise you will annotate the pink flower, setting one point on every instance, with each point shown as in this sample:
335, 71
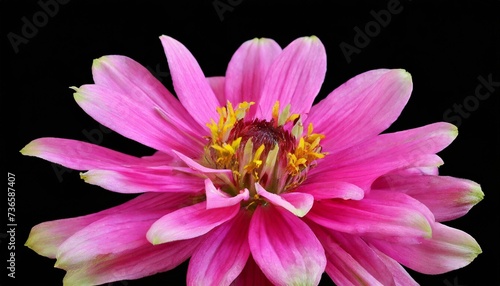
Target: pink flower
255, 184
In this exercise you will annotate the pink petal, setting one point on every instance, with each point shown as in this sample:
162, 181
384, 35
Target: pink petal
140, 181
430, 170
331, 189
221, 257
110, 235
190, 84
412, 171
216, 175
113, 170
126, 76
251, 275
219, 199
340, 273
301, 202
447, 250
189, 222
133, 264
297, 203
386, 215
45, 238
448, 198
365, 162
137, 119
77, 155
285, 248
160, 159
217, 84
400, 275
361, 108
428, 139
295, 77
247, 70
351, 261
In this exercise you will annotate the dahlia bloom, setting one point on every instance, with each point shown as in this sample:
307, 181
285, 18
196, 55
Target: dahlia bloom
255, 184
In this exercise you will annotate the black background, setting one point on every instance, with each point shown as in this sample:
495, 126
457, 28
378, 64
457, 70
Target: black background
443, 44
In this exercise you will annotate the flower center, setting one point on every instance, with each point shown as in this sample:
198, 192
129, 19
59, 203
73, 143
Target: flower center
263, 132
274, 153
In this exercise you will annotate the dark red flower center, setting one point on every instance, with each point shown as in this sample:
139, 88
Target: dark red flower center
263, 132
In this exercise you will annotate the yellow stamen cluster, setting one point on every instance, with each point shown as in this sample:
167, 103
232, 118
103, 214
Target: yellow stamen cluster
307, 151
227, 151
220, 132
279, 164
227, 118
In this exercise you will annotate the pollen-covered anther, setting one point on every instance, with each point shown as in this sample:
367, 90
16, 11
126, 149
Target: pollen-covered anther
227, 118
226, 151
256, 162
307, 151
295, 165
